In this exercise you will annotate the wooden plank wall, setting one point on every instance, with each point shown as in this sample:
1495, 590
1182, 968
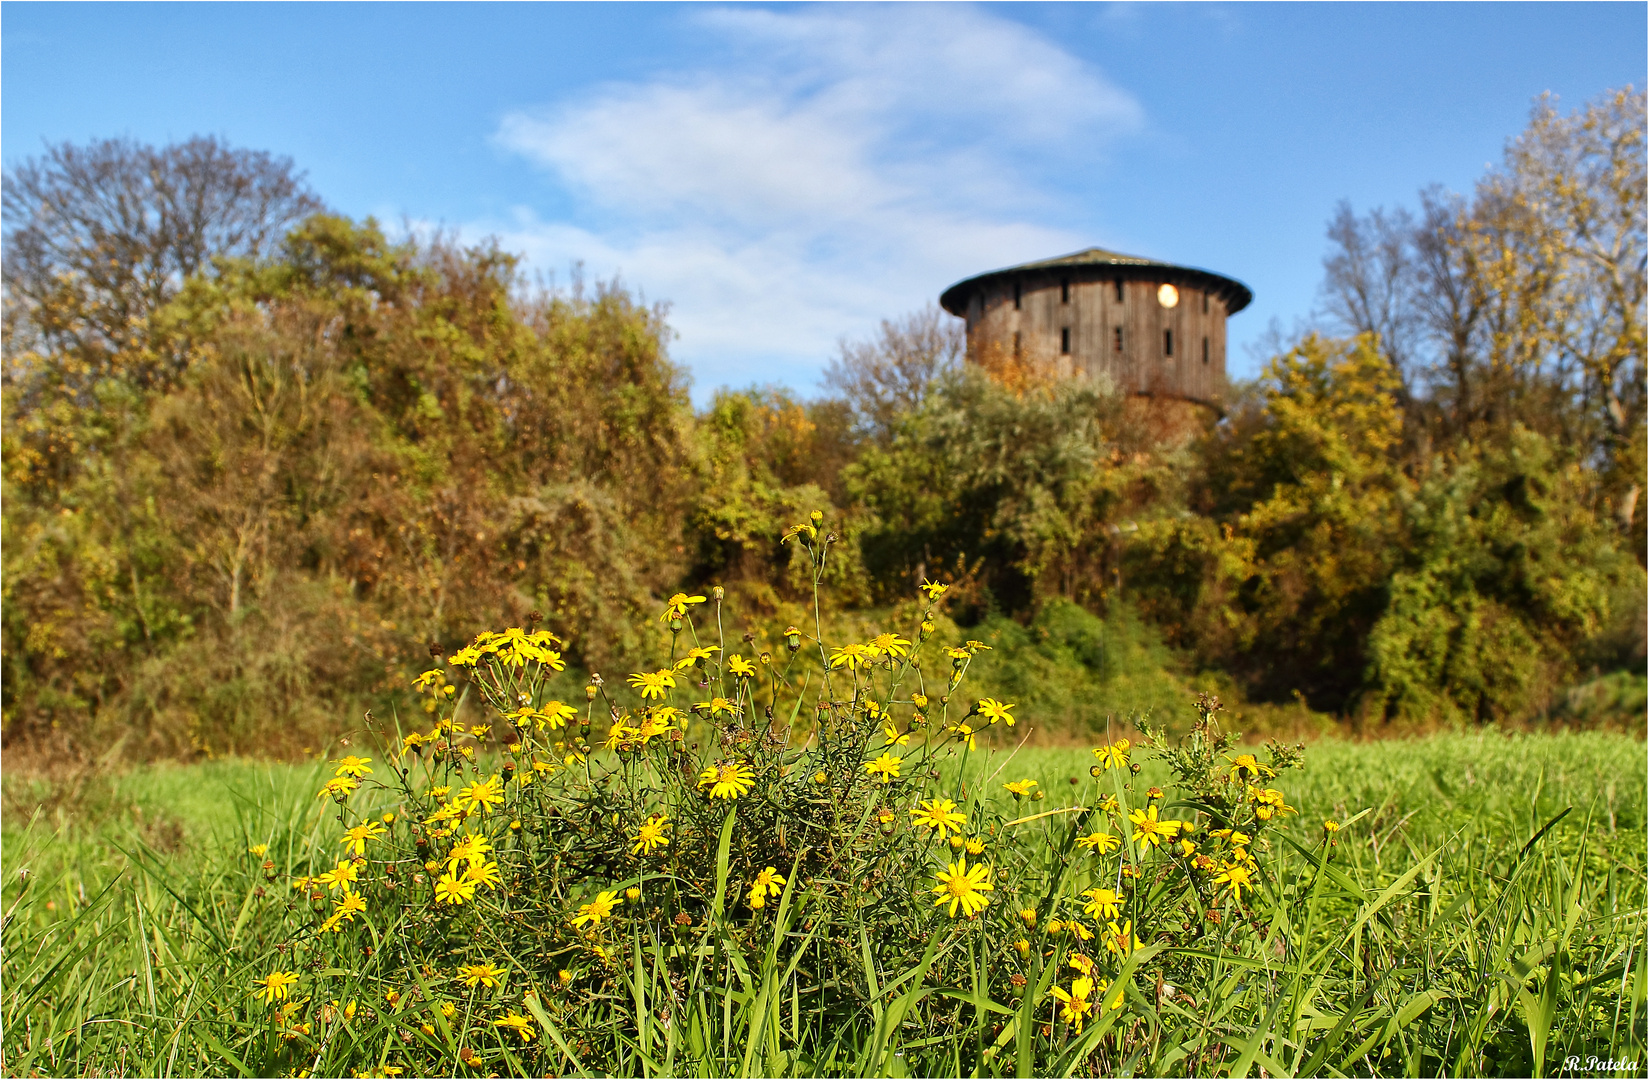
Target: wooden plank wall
1093, 314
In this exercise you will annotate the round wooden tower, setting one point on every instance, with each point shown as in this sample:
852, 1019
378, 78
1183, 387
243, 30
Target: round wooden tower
1157, 330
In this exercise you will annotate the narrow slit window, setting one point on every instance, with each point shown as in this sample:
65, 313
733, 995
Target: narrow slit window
1065, 341
1205, 350
1016, 344
1065, 291
1168, 343
1016, 296
1205, 303
1117, 334
1119, 290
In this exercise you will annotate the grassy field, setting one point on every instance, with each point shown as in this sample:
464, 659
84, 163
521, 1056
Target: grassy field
1484, 915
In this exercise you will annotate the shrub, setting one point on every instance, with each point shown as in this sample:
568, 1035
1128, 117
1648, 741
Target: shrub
732, 869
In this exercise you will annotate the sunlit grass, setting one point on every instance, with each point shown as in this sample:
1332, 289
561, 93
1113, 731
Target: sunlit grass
1450, 935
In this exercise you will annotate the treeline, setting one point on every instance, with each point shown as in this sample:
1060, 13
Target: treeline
260, 459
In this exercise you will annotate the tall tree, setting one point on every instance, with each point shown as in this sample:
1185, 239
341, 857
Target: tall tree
98, 237
890, 375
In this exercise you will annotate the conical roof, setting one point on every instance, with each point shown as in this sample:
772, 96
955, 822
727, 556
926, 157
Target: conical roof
1236, 295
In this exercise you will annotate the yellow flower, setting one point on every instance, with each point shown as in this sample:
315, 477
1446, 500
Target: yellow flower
430, 678
260, 850
768, 883
652, 834
891, 644
518, 1024
1082, 932
599, 908
738, 665
275, 986
1020, 788
964, 732
694, 656
1023, 946
555, 714
893, 736
355, 839
1151, 831
338, 787
938, 815
454, 890
886, 767
994, 710
933, 589
1268, 802
677, 605
352, 766
1237, 876
1121, 940
974, 846
620, 734
1102, 904
341, 876
1248, 767
483, 795
472, 849
1029, 915
473, 975
718, 706
653, 684
486, 873
1074, 1003
919, 700
349, 905
1100, 841
1114, 756
962, 887
730, 780
853, 657
1329, 826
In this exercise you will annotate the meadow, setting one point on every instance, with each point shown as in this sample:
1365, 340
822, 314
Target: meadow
1483, 915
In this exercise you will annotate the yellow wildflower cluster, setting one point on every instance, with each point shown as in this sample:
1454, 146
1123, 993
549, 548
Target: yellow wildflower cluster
722, 790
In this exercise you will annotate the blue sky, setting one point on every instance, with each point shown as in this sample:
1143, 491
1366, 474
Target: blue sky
785, 176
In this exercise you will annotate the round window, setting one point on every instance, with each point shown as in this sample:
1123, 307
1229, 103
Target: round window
1167, 296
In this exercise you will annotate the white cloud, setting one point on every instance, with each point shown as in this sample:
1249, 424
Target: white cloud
843, 166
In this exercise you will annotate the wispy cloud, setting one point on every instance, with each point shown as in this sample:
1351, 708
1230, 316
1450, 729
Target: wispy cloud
837, 166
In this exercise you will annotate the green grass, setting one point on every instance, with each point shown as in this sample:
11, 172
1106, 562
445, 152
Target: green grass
1484, 915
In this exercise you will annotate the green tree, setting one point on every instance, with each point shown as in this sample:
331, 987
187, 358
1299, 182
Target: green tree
1284, 571
1018, 494
1505, 577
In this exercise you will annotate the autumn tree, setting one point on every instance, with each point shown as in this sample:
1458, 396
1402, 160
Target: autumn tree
890, 375
1523, 304
99, 237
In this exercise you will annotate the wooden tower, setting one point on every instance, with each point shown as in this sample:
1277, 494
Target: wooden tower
1157, 330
